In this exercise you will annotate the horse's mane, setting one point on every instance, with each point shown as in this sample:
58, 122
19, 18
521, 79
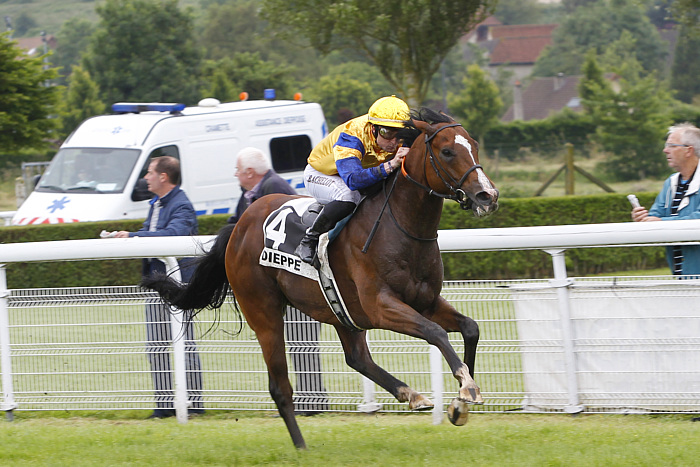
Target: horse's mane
409, 133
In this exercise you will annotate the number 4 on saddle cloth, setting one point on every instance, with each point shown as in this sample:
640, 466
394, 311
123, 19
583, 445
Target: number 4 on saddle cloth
284, 229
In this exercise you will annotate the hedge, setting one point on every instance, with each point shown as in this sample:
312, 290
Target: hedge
483, 265
565, 210
80, 273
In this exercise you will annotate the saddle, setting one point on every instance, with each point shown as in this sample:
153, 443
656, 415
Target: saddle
283, 230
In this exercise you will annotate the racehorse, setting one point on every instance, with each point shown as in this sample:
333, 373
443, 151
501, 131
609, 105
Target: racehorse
393, 284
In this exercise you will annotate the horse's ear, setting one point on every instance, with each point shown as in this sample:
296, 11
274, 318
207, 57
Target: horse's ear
448, 116
425, 127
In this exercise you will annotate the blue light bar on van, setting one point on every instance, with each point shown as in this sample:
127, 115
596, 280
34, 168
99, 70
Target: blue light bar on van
136, 107
269, 94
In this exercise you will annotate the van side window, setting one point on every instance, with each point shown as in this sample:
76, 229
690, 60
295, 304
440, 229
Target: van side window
164, 151
289, 153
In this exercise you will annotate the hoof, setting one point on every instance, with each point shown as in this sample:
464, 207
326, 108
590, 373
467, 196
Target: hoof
458, 412
420, 403
471, 395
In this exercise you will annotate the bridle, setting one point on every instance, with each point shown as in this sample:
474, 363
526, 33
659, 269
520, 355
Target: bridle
457, 194
455, 186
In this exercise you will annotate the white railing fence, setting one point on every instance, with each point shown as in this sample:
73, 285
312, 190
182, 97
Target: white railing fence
564, 344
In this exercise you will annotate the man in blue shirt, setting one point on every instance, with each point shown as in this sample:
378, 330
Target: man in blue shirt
171, 214
680, 196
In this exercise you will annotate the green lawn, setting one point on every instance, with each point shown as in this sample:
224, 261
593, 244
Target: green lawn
352, 440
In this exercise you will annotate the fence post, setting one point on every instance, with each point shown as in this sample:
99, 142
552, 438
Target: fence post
8, 400
569, 175
179, 357
561, 282
437, 383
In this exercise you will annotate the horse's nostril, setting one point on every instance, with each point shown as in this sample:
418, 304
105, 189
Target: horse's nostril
483, 197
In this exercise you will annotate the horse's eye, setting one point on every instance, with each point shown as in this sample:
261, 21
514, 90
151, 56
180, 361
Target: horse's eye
447, 152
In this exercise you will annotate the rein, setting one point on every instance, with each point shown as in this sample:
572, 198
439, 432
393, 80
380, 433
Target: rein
396, 223
457, 194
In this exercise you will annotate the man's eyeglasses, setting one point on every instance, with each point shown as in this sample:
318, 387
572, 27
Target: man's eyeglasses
672, 145
387, 133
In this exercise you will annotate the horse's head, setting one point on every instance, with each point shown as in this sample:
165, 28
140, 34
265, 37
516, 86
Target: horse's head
450, 163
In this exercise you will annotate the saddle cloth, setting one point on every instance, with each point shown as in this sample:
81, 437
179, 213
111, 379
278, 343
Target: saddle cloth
283, 230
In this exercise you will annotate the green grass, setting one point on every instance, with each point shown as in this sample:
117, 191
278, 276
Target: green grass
524, 177
352, 440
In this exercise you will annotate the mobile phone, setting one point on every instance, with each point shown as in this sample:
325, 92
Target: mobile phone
633, 201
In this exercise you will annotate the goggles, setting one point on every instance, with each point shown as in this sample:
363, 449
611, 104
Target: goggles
387, 133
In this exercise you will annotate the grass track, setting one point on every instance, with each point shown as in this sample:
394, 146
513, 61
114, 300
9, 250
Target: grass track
351, 440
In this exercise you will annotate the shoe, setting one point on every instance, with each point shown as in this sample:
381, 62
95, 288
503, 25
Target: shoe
695, 419
162, 413
306, 250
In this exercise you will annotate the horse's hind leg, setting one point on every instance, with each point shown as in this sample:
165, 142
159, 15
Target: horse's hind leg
265, 317
358, 357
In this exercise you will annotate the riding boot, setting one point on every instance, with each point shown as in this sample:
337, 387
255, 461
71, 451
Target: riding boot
326, 220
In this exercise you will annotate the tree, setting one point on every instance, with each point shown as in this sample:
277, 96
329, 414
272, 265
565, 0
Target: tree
406, 40
597, 25
336, 93
72, 40
571, 5
220, 86
144, 50
659, 13
235, 26
248, 72
686, 66
364, 73
24, 23
26, 102
631, 123
593, 85
479, 104
519, 11
81, 101
686, 12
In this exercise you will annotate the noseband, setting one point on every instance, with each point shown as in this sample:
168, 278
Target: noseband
455, 186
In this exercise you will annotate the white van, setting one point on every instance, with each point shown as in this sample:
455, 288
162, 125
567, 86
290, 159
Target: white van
95, 174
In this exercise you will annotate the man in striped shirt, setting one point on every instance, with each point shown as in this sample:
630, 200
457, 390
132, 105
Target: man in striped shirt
680, 196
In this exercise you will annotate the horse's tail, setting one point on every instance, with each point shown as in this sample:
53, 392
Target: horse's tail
208, 286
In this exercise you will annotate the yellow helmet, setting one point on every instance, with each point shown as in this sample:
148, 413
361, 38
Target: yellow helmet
389, 111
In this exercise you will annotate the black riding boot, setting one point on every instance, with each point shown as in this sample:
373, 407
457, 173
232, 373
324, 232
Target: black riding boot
326, 220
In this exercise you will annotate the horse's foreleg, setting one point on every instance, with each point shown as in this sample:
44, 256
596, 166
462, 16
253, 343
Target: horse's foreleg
358, 357
399, 317
469, 391
453, 321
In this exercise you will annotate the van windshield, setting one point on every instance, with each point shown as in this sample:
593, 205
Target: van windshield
89, 170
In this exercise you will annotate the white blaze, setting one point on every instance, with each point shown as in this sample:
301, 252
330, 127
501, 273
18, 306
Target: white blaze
481, 176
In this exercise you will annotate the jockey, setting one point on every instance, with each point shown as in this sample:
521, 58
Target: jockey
356, 155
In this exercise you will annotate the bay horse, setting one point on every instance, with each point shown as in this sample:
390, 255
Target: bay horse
395, 285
